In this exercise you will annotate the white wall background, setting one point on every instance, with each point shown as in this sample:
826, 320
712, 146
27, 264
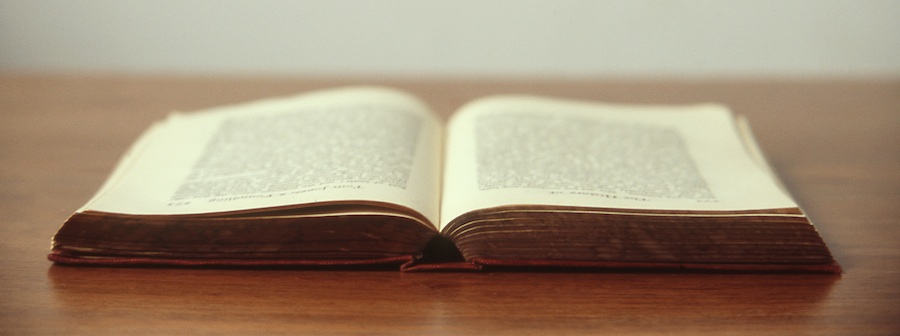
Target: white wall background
580, 38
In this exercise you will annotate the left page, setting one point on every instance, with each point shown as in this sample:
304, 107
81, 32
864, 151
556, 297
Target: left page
342, 146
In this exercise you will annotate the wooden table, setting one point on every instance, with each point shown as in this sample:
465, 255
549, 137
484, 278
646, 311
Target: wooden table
835, 143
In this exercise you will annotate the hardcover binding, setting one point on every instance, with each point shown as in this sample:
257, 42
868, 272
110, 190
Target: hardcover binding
410, 263
833, 268
65, 259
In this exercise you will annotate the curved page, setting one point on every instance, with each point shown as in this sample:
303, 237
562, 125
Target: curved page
521, 150
366, 145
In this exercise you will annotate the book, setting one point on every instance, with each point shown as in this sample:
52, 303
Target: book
371, 176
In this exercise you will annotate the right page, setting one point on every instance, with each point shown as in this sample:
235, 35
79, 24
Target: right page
523, 150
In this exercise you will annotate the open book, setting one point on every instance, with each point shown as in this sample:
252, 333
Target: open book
372, 176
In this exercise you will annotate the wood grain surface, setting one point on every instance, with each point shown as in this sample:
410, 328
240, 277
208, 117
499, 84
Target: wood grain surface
835, 143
